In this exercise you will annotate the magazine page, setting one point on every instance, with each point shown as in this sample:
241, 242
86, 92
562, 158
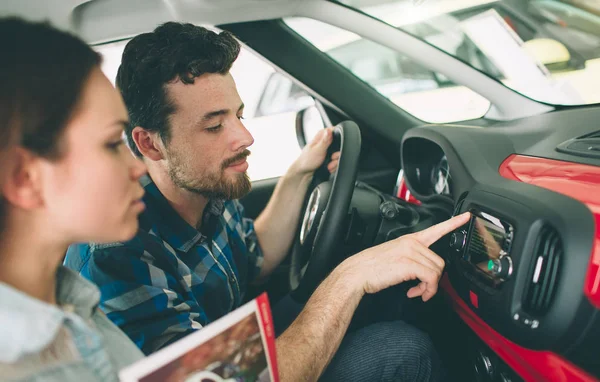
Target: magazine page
239, 347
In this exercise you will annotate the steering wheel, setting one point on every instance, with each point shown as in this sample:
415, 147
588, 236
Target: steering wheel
326, 206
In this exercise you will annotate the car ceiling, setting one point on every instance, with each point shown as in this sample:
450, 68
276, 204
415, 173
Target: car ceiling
99, 21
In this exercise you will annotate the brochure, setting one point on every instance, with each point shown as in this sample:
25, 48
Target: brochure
239, 347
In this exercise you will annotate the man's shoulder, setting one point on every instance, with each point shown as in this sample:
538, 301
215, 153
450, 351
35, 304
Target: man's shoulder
77, 256
80, 255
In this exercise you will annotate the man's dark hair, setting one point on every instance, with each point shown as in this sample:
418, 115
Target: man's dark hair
173, 51
42, 74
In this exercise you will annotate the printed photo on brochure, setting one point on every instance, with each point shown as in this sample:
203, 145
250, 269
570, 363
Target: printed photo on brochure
239, 347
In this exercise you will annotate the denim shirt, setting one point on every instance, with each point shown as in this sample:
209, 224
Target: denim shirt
73, 341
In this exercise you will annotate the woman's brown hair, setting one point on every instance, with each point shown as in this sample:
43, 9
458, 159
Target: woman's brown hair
42, 74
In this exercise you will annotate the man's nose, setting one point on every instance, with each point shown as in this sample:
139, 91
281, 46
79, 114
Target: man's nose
242, 137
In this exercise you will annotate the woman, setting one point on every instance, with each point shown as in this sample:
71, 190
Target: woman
7, 125
70, 179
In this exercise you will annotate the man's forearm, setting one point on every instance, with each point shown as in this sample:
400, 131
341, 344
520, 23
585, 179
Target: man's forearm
276, 225
305, 349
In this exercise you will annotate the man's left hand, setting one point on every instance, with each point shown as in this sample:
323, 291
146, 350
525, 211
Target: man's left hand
314, 154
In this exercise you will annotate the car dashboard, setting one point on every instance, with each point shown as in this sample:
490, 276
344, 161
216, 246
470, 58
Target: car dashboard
524, 272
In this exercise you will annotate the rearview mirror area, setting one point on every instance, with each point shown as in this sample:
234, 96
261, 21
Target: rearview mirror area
553, 54
282, 95
309, 122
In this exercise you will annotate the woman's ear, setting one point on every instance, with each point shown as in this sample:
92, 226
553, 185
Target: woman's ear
22, 180
148, 143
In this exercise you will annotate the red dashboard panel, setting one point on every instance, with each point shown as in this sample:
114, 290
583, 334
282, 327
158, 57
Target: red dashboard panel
529, 364
581, 182
578, 181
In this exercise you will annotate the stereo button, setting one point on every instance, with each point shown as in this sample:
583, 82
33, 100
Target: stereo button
458, 240
501, 267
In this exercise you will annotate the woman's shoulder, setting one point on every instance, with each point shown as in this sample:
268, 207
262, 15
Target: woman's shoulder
121, 350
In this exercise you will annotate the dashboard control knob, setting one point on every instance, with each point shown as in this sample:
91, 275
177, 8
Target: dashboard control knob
458, 240
484, 369
388, 210
501, 267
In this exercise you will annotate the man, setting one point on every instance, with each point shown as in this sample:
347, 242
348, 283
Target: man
195, 253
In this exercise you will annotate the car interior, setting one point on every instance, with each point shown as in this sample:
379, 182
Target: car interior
428, 128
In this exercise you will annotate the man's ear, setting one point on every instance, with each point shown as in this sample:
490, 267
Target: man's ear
22, 184
148, 143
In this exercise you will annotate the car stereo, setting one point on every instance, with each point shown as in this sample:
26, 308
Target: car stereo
483, 248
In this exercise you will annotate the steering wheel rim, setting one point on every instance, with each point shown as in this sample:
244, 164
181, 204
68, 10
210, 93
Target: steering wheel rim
313, 250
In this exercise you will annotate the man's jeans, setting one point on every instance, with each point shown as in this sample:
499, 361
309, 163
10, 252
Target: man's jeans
380, 351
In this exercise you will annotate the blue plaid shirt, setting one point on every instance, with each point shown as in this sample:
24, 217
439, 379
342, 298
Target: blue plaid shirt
172, 279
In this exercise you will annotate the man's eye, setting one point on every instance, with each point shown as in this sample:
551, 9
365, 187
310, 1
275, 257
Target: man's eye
213, 129
241, 117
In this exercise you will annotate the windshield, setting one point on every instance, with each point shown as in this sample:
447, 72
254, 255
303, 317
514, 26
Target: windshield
548, 50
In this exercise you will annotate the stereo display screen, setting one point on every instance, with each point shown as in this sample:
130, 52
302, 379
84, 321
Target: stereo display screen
488, 239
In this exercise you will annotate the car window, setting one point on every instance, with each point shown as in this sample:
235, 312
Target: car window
569, 16
272, 126
406, 83
548, 50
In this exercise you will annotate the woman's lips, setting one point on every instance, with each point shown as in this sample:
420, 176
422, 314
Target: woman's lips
138, 205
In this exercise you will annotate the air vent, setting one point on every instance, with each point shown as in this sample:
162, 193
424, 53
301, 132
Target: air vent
584, 146
543, 277
593, 135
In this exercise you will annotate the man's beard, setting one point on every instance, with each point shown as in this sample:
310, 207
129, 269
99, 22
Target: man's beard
210, 185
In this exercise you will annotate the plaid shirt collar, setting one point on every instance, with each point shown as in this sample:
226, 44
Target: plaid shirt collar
170, 226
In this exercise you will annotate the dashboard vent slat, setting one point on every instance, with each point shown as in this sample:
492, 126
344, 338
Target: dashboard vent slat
543, 277
585, 146
595, 134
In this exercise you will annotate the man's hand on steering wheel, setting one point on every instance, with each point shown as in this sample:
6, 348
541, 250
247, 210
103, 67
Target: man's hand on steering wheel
403, 259
335, 161
314, 154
